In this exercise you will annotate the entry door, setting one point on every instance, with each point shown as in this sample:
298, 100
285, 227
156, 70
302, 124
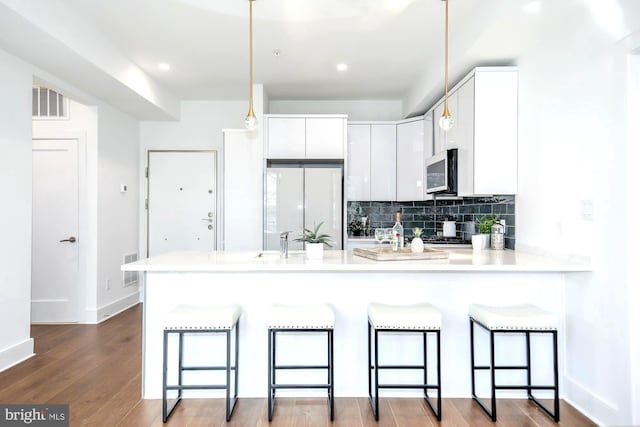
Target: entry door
182, 201
54, 253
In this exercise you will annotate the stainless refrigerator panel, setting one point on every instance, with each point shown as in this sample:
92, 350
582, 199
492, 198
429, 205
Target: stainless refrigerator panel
284, 206
323, 201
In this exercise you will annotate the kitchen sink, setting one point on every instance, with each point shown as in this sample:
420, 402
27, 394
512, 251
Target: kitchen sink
276, 254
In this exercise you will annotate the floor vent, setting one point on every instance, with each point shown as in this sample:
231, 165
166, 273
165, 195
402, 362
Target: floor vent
130, 277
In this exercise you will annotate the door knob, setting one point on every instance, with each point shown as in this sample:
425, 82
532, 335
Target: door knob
70, 240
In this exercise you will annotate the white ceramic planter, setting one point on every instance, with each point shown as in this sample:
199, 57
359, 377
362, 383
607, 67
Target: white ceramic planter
417, 245
314, 250
480, 241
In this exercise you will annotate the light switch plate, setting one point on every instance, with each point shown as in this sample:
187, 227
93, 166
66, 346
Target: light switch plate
586, 210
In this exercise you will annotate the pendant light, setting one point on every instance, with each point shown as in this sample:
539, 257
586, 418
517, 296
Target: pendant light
446, 121
250, 121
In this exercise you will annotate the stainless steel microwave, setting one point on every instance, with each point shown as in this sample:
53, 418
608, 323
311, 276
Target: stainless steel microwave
441, 172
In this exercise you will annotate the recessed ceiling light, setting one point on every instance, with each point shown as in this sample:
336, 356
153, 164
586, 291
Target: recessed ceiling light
532, 7
276, 52
342, 67
163, 66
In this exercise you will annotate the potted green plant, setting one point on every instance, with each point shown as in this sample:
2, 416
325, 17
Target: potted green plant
356, 227
483, 224
314, 242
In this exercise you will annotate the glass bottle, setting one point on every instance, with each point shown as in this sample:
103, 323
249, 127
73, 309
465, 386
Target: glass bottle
398, 235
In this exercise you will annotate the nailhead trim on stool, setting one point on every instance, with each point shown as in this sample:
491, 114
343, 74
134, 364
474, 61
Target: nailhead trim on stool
285, 319
414, 318
527, 319
195, 320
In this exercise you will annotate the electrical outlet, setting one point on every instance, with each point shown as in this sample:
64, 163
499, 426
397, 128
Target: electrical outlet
107, 284
586, 210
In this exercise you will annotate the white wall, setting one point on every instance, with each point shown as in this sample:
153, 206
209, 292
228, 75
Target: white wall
15, 213
355, 109
572, 147
200, 127
118, 164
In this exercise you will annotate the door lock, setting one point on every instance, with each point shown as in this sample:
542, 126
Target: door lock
70, 240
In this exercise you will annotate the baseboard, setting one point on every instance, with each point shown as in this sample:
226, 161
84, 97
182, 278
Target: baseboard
15, 354
595, 407
109, 310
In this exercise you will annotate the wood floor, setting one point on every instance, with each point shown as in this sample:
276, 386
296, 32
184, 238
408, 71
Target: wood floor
96, 370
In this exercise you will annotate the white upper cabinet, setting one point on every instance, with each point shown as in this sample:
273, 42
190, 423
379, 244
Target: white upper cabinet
300, 137
428, 149
325, 138
358, 162
410, 160
285, 138
487, 132
383, 162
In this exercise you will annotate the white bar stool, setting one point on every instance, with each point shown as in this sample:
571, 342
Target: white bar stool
423, 318
287, 319
518, 319
196, 320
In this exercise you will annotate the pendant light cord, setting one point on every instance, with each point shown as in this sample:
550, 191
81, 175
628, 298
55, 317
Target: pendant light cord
446, 58
251, 57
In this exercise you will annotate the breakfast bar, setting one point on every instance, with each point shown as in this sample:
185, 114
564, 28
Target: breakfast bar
255, 280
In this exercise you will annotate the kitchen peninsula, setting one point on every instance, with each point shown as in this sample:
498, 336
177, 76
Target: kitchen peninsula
257, 279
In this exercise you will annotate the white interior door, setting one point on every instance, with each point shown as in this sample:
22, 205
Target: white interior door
182, 201
54, 253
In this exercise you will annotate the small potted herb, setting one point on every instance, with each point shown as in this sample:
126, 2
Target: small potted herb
356, 227
483, 224
314, 242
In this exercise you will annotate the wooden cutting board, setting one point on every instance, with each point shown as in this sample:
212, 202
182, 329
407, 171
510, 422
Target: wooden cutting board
404, 254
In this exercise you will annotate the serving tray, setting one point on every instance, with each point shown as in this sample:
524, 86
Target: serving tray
403, 254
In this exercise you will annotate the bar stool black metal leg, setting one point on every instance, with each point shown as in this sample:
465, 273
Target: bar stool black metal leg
528, 341
424, 365
180, 358
271, 379
330, 369
556, 399
369, 366
473, 360
164, 376
439, 414
493, 377
237, 364
375, 374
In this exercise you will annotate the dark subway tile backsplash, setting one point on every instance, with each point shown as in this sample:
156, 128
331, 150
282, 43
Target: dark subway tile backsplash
426, 215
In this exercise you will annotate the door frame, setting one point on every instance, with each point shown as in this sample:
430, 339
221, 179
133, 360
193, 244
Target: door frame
145, 205
80, 292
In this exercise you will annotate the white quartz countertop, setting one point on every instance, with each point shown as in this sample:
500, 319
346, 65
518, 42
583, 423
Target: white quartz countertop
337, 261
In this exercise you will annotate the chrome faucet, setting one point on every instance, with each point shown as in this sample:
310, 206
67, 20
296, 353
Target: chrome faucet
284, 244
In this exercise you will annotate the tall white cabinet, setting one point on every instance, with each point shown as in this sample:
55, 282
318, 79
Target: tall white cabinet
410, 159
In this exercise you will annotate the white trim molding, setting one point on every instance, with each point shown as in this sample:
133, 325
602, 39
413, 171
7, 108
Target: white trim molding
16, 353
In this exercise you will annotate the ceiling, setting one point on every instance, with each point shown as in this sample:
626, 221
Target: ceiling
387, 44
394, 49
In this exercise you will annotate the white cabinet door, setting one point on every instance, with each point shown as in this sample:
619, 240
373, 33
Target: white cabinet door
358, 162
409, 162
383, 162
428, 150
465, 126
325, 138
285, 138
451, 136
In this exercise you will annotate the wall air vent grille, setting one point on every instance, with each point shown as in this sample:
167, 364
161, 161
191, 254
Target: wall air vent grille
130, 278
47, 104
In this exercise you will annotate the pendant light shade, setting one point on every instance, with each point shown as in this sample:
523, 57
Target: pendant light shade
446, 121
250, 121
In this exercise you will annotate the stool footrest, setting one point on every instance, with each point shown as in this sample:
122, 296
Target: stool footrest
502, 367
399, 367
408, 386
197, 387
301, 367
525, 387
297, 386
206, 368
